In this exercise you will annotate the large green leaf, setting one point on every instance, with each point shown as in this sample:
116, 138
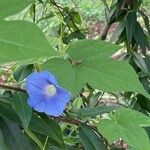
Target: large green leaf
13, 136
90, 140
49, 128
22, 109
126, 124
91, 64
8, 8
22, 40
90, 49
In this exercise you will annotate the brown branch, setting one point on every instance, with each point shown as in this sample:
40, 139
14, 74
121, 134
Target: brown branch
79, 123
68, 120
13, 88
60, 118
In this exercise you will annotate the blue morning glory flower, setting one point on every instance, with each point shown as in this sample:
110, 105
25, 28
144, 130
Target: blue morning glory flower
45, 95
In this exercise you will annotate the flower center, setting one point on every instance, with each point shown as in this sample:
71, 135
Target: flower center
50, 90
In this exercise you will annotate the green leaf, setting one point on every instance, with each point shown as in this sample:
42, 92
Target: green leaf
125, 124
7, 111
76, 17
22, 40
22, 72
140, 62
90, 63
90, 140
2, 142
22, 109
146, 21
34, 138
143, 102
131, 25
13, 136
140, 37
99, 110
118, 31
49, 128
10, 8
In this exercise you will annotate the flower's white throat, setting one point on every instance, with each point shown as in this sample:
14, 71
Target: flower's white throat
50, 90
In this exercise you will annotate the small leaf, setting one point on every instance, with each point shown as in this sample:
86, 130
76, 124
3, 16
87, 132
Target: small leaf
140, 37
90, 140
131, 25
7, 111
99, 110
22, 72
146, 21
22, 109
118, 31
140, 62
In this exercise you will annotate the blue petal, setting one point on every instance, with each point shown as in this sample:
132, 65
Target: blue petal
51, 108
40, 107
35, 98
48, 76
35, 83
55, 105
63, 95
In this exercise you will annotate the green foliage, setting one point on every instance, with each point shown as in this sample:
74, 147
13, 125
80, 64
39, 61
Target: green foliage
108, 102
125, 124
13, 135
90, 139
22, 109
23, 71
49, 128
88, 10
84, 55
